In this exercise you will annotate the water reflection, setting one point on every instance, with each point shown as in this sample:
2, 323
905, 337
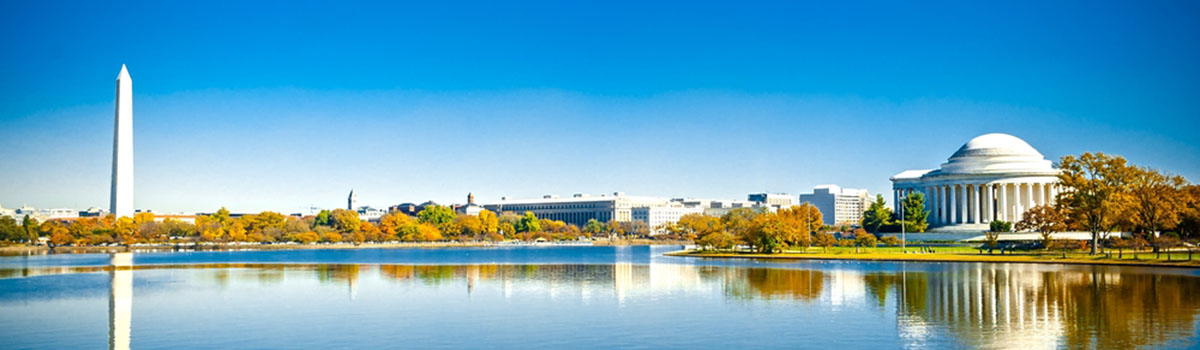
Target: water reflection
973, 305
120, 301
1031, 307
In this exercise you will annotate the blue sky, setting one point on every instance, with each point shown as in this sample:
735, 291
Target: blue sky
283, 105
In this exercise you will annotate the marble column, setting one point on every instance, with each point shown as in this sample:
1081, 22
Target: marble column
978, 202
963, 206
987, 204
952, 219
941, 204
1039, 197
1003, 193
1029, 197
1016, 202
935, 210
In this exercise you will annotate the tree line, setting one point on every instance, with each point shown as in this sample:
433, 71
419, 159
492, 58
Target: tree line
764, 231
431, 224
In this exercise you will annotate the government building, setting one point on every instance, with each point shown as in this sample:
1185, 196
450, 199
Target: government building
579, 208
991, 177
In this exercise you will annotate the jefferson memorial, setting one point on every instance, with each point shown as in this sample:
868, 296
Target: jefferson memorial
992, 177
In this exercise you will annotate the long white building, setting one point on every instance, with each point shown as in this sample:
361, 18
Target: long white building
991, 177
580, 208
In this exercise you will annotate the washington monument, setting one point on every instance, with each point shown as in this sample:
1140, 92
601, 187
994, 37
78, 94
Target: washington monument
121, 199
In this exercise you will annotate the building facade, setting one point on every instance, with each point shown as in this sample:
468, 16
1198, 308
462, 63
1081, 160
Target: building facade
838, 206
991, 177
656, 216
580, 208
778, 200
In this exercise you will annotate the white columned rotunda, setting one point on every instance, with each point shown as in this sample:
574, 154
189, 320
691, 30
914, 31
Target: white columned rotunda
992, 177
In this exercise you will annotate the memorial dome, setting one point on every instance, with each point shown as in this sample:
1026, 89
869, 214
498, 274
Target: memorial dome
995, 153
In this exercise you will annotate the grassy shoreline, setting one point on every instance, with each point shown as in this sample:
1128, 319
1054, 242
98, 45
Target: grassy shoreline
945, 257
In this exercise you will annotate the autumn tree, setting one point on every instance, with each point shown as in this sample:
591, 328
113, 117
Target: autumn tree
345, 221
1189, 218
695, 226
739, 223
1156, 201
1045, 220
1093, 191
391, 222
824, 240
766, 233
717, 240
877, 215
427, 232
53, 228
488, 222
802, 221
368, 232
467, 226
865, 239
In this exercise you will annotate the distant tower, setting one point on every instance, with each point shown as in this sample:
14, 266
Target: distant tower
121, 196
470, 198
351, 201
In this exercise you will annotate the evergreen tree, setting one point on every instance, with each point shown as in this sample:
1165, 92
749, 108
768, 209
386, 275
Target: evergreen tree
915, 215
877, 215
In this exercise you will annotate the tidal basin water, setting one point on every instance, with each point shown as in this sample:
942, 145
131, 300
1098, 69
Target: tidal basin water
579, 298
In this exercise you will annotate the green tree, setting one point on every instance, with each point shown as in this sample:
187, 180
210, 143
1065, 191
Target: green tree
528, 223
1093, 186
323, 219
1000, 226
436, 215
10, 230
593, 226
877, 215
915, 215
31, 230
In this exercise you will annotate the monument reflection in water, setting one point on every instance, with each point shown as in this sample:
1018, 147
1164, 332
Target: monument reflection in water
120, 301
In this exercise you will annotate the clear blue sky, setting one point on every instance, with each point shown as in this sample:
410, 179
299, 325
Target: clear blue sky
282, 105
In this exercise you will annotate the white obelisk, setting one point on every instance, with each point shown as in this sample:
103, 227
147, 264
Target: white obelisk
121, 200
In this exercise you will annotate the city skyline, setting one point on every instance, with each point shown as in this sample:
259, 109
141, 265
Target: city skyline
732, 109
